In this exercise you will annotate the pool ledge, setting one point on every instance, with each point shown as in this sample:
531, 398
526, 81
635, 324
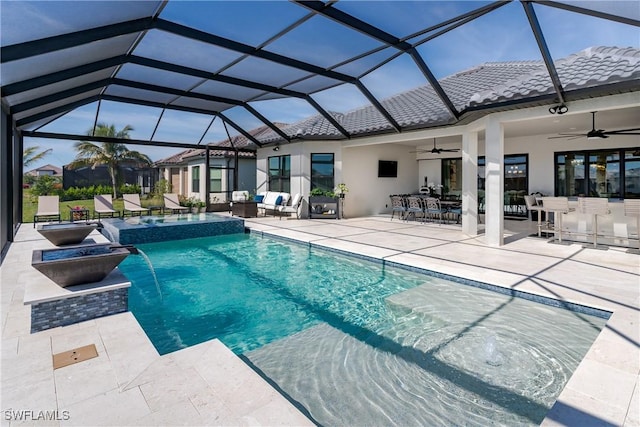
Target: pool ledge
45, 290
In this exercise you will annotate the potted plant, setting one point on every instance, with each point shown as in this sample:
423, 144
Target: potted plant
341, 190
77, 212
433, 188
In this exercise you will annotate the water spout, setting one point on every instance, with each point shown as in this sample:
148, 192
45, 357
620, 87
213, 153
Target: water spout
493, 356
135, 251
132, 249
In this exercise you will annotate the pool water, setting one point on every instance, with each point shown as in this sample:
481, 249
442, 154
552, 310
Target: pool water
357, 343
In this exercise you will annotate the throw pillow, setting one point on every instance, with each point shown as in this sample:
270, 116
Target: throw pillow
258, 198
278, 200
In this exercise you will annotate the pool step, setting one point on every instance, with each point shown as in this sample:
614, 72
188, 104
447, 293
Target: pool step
430, 298
221, 387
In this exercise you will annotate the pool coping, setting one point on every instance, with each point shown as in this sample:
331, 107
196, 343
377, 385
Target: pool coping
567, 305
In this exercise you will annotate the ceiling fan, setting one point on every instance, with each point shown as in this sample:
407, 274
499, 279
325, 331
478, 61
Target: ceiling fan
597, 133
436, 150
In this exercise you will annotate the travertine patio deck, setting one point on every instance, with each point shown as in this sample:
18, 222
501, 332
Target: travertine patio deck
207, 385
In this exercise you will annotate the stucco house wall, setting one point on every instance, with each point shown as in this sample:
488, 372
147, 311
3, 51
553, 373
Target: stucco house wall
357, 166
369, 194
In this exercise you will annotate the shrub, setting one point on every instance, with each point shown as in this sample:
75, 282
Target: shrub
45, 185
84, 193
129, 189
162, 186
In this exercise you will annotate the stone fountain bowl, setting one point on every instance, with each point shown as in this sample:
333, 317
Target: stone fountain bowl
79, 264
66, 234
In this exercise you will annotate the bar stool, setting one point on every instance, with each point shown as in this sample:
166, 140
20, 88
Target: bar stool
559, 206
632, 208
594, 206
532, 205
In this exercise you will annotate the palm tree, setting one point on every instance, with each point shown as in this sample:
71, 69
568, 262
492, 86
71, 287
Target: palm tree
106, 153
30, 155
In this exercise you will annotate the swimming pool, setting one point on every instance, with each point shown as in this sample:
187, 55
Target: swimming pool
358, 343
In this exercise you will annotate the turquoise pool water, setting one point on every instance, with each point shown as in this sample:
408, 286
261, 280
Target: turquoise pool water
355, 343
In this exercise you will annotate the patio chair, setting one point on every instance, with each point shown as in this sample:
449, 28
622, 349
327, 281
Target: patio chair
433, 208
414, 207
455, 211
132, 205
294, 208
103, 207
48, 209
397, 205
172, 203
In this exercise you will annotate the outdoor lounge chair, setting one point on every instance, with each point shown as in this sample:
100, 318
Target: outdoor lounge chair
103, 207
294, 208
48, 209
132, 205
172, 203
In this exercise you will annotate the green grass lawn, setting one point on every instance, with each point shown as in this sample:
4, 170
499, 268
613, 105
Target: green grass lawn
30, 206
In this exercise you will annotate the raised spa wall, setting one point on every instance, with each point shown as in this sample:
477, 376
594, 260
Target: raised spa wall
160, 229
53, 306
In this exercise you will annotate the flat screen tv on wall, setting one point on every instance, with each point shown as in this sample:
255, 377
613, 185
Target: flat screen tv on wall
387, 169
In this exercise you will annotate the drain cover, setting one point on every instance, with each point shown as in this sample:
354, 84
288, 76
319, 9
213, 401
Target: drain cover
76, 355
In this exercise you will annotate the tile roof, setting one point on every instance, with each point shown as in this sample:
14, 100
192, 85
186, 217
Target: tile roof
591, 67
483, 85
48, 167
227, 145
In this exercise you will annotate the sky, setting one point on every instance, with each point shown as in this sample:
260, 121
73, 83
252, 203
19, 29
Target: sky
502, 35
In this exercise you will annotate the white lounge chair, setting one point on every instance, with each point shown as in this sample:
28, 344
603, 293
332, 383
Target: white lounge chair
172, 203
48, 209
103, 207
132, 205
294, 208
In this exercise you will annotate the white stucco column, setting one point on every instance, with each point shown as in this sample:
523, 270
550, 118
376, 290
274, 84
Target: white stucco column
470, 183
494, 182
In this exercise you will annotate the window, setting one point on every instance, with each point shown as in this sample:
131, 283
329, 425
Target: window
631, 174
516, 181
516, 177
215, 180
604, 174
195, 179
322, 169
280, 173
598, 173
570, 174
452, 176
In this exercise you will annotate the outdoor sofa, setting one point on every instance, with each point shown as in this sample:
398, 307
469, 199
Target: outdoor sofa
272, 200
